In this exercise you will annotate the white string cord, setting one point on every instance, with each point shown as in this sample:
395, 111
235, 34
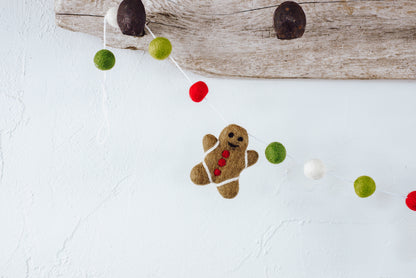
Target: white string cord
150, 31
105, 34
348, 181
340, 178
392, 193
258, 139
180, 69
104, 129
215, 110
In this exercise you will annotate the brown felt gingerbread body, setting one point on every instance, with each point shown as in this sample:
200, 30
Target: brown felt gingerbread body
225, 159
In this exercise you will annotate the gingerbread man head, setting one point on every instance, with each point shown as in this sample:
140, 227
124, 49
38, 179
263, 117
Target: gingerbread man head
234, 138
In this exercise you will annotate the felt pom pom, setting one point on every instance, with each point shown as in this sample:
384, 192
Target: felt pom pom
411, 200
198, 91
314, 169
364, 186
131, 17
160, 48
104, 59
111, 17
275, 153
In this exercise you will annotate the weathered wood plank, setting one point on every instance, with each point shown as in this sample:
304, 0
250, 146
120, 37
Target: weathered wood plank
361, 39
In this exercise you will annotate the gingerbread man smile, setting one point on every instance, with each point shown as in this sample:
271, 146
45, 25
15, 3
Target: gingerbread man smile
232, 145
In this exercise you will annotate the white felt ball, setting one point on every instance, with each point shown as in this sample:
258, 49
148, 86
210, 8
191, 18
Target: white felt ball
314, 169
111, 17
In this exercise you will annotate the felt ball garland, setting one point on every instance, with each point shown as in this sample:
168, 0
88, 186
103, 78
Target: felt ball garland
130, 18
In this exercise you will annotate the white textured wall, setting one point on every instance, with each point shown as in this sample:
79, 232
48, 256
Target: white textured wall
72, 208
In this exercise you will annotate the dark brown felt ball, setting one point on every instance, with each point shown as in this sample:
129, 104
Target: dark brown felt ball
131, 17
289, 21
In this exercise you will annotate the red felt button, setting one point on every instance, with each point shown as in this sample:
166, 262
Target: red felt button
198, 91
225, 154
411, 200
221, 162
217, 172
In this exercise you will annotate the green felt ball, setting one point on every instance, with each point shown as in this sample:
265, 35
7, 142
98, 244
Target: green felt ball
275, 153
160, 48
104, 59
364, 186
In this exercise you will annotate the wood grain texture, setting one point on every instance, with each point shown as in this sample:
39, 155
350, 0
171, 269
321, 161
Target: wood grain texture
355, 39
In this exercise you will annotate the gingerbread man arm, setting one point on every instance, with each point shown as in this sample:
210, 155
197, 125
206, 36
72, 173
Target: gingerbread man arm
252, 157
209, 141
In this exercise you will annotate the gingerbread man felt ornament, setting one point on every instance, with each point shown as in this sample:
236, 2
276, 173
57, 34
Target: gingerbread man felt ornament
225, 158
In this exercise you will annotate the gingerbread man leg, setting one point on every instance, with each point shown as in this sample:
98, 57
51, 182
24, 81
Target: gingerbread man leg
199, 176
229, 190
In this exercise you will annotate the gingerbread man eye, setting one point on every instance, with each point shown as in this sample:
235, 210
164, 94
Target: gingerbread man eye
231, 135
240, 139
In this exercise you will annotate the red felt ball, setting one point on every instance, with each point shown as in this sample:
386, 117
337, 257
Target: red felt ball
198, 91
411, 200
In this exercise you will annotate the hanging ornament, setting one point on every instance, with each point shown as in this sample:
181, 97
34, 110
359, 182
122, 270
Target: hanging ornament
160, 48
275, 153
411, 200
131, 17
364, 186
314, 169
225, 158
104, 59
198, 91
